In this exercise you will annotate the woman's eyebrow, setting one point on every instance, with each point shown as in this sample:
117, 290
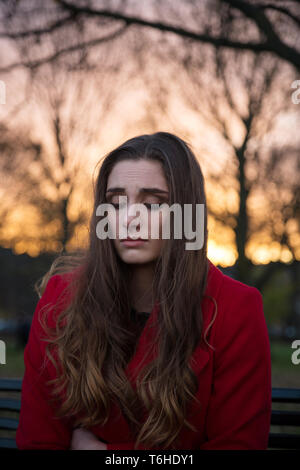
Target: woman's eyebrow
142, 190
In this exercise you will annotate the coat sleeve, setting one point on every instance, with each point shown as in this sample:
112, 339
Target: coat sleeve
239, 410
38, 427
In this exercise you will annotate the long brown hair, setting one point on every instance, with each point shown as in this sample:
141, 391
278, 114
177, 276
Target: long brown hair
94, 337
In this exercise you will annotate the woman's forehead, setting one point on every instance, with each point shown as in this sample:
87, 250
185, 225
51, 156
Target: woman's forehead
136, 174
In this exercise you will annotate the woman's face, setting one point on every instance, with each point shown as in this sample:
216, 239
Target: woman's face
143, 182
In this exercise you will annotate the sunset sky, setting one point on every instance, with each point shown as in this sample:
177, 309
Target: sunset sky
132, 111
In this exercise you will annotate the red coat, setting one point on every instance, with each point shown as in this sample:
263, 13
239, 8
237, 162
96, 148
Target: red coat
234, 380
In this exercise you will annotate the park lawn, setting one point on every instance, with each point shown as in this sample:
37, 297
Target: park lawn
14, 366
285, 374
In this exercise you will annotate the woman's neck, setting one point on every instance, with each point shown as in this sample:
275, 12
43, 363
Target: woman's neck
141, 287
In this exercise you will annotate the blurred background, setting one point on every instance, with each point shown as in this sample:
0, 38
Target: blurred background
77, 78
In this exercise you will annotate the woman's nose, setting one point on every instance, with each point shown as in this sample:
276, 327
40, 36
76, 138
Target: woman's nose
128, 215
135, 220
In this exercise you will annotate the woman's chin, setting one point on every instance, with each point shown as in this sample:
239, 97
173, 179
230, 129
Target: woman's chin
135, 258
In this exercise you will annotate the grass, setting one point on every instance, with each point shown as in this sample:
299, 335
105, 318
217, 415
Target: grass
14, 366
285, 374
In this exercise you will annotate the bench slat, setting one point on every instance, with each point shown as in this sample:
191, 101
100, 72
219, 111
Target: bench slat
286, 395
285, 417
11, 404
284, 441
276, 440
9, 423
12, 385
7, 443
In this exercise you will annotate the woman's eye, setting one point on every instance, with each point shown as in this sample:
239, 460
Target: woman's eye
151, 206
117, 205
148, 205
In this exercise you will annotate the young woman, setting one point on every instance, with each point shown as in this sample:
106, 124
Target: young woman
145, 344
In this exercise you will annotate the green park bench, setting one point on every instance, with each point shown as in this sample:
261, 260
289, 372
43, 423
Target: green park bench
282, 418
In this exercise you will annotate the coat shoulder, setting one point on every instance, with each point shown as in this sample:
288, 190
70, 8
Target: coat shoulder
236, 304
225, 285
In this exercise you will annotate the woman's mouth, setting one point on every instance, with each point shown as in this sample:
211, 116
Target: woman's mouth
131, 242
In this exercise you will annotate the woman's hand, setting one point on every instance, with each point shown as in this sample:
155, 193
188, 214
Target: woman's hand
82, 439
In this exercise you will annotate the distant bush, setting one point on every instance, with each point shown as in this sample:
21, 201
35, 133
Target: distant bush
277, 298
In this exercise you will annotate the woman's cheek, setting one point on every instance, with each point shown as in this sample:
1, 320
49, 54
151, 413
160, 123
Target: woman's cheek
155, 225
163, 224
113, 225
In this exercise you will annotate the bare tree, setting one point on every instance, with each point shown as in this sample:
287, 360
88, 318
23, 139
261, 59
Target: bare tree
230, 30
248, 95
46, 151
253, 25
239, 100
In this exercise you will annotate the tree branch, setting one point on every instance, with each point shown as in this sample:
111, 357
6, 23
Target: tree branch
34, 64
273, 41
283, 10
265, 46
40, 31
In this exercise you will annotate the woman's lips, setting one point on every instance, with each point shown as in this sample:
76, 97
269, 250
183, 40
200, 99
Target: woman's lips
130, 242
134, 239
